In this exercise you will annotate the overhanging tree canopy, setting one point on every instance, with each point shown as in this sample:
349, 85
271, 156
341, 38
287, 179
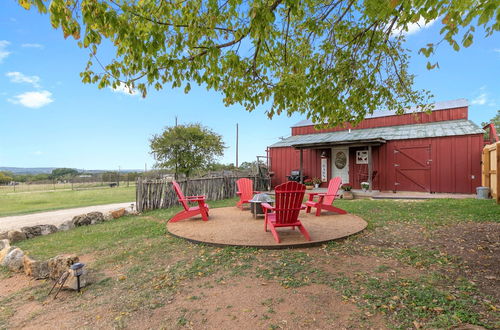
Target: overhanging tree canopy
334, 60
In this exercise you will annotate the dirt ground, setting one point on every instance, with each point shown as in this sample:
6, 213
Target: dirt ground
325, 287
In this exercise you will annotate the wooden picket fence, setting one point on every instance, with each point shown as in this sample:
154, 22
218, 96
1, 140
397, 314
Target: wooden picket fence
490, 169
159, 194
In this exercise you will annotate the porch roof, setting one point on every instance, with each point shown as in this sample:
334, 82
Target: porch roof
382, 134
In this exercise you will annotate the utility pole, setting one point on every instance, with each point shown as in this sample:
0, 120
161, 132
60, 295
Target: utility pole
236, 145
176, 160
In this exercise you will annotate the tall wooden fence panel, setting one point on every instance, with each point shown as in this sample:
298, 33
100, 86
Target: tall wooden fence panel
159, 194
490, 168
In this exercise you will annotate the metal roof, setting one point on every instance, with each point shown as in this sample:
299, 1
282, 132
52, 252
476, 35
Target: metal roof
443, 105
382, 134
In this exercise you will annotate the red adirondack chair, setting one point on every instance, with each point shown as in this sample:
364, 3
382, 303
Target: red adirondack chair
245, 191
325, 201
285, 213
189, 212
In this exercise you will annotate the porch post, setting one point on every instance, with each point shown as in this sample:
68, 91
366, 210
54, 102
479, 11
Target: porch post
301, 167
370, 167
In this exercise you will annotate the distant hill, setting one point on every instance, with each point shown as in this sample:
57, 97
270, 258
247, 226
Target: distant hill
48, 170
28, 170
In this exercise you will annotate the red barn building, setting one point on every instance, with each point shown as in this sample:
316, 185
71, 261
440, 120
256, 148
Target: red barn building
418, 151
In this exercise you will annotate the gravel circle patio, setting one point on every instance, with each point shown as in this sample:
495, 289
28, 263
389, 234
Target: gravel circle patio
230, 226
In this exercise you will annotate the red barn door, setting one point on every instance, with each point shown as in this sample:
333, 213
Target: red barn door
413, 168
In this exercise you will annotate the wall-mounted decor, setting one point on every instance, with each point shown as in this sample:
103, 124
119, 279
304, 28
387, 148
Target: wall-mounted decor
340, 160
324, 169
362, 157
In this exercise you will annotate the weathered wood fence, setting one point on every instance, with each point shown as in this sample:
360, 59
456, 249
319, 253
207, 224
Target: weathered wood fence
159, 194
490, 169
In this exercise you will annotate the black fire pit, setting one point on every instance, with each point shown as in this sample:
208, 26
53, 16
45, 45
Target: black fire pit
256, 201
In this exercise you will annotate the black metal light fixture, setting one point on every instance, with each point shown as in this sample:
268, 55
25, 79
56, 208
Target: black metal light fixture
77, 269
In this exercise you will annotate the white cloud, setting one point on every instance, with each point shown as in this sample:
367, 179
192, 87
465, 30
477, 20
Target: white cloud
497, 50
32, 46
18, 77
414, 27
124, 89
481, 99
484, 98
33, 100
38, 152
3, 50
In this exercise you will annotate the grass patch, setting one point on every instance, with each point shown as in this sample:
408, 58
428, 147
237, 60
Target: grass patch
4, 273
142, 268
292, 269
408, 302
31, 202
429, 213
117, 235
419, 257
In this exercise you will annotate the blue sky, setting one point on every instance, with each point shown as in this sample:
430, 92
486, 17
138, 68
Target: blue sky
48, 118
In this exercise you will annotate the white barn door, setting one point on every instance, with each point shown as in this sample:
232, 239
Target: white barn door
340, 163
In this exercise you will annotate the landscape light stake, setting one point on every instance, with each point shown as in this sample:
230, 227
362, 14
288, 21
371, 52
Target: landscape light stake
77, 269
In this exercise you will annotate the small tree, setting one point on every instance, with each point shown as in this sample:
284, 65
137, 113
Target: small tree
63, 173
4, 179
186, 148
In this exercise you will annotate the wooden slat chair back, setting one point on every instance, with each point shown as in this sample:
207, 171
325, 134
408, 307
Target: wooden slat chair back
285, 213
333, 189
288, 203
189, 211
180, 195
245, 191
325, 201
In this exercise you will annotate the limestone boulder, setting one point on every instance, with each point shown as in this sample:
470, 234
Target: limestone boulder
67, 225
48, 229
14, 260
95, 217
60, 264
108, 216
4, 243
131, 212
38, 230
118, 213
4, 235
4, 252
31, 232
72, 281
35, 268
16, 236
81, 220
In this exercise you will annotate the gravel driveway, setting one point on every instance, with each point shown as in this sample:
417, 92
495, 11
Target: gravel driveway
54, 217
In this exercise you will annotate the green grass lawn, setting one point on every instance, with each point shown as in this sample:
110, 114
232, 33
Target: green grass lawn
30, 202
401, 277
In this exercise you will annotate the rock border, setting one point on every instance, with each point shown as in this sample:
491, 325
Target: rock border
14, 259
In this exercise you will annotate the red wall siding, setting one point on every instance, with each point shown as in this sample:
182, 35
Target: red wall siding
356, 169
407, 119
455, 160
284, 160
